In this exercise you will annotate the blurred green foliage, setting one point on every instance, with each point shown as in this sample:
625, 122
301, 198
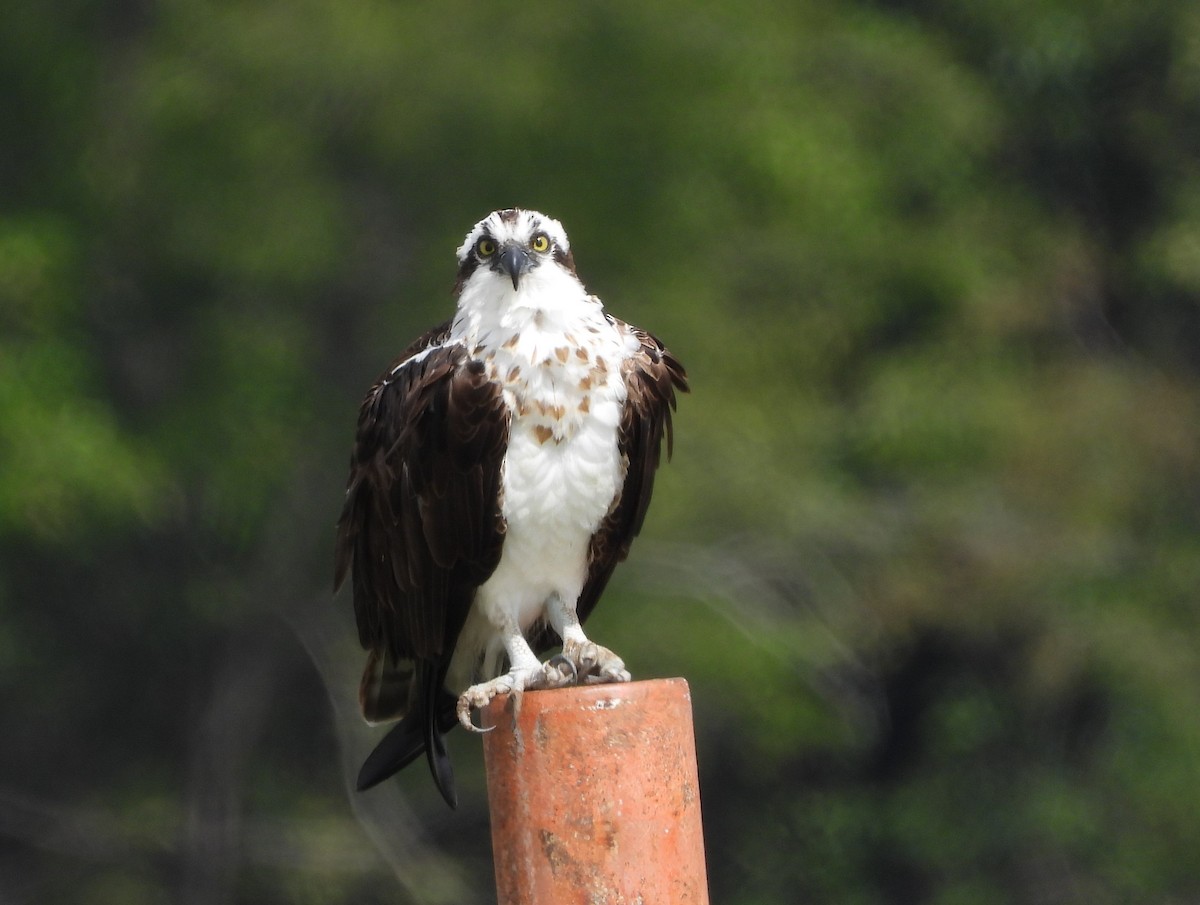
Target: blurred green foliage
930, 547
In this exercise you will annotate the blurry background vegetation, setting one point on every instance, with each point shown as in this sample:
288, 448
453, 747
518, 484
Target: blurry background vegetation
930, 547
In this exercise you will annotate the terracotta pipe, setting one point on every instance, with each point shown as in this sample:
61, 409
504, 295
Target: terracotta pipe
594, 796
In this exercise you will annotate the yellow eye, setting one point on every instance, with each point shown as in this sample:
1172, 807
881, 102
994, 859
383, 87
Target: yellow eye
540, 242
486, 248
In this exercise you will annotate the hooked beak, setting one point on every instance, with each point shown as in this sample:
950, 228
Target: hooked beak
514, 260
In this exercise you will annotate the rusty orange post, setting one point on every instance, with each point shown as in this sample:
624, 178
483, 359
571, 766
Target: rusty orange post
594, 796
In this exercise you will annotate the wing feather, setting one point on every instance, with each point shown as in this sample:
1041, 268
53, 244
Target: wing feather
421, 527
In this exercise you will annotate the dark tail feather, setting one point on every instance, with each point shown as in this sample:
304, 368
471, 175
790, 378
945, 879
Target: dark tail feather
421, 730
435, 714
399, 748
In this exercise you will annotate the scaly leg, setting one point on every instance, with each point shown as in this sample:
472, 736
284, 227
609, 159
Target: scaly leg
594, 664
525, 672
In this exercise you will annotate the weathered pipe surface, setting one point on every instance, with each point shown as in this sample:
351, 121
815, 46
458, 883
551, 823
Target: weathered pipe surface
594, 796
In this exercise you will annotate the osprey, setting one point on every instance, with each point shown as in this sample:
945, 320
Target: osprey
502, 467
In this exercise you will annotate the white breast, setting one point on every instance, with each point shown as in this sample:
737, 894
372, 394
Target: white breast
562, 468
558, 359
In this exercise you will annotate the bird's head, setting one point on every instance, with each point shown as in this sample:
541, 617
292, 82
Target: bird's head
511, 246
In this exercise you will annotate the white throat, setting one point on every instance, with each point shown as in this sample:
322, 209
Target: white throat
549, 300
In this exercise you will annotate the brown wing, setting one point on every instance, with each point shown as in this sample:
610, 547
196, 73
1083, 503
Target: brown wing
652, 376
421, 527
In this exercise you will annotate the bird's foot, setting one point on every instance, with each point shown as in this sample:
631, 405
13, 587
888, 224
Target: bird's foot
479, 696
557, 672
595, 665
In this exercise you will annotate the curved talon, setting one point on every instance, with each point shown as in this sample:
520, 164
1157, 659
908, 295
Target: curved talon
464, 719
558, 661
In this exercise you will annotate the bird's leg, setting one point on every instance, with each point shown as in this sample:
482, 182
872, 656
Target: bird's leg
525, 672
593, 664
